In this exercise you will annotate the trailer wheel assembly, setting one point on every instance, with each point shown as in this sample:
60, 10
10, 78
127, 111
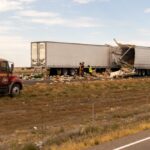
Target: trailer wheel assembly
65, 71
72, 72
148, 72
143, 72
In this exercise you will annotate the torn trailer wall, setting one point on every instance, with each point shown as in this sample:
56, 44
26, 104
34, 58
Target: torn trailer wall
128, 54
125, 54
136, 56
116, 54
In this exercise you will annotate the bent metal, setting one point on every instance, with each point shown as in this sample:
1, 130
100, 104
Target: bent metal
9, 83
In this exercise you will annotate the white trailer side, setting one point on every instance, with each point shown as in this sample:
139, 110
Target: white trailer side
70, 55
142, 57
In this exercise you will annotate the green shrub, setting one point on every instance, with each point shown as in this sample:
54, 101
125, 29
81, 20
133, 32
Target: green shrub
30, 146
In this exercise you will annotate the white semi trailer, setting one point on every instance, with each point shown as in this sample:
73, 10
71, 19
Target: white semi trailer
65, 57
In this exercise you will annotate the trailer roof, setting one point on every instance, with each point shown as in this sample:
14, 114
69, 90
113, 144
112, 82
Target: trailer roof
69, 43
143, 46
132, 46
129, 45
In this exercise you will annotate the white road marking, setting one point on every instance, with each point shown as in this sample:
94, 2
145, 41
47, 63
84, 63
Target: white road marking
134, 143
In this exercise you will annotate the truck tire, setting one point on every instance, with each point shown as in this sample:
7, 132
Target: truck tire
143, 72
65, 72
148, 72
15, 90
59, 71
72, 72
140, 72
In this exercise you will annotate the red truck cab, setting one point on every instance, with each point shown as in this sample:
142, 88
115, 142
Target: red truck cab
9, 83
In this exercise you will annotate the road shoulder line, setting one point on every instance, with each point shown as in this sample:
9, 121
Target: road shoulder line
133, 143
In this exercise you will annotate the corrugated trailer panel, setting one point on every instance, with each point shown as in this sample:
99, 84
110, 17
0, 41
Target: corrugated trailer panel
70, 55
142, 57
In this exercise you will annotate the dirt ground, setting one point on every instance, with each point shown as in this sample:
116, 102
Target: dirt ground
45, 110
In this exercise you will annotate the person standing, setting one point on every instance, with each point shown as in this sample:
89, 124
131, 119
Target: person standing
90, 70
82, 69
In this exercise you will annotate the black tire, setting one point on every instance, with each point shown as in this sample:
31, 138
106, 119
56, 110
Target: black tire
140, 72
143, 73
15, 90
148, 72
72, 72
65, 72
59, 71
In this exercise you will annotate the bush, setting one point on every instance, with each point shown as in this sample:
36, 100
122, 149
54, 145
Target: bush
30, 146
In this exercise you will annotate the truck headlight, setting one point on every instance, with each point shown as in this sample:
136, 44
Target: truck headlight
4, 80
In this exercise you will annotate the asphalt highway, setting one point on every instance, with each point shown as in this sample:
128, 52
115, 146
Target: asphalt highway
139, 141
32, 82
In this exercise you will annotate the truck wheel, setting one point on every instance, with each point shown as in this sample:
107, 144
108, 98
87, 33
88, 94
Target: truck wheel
140, 72
15, 90
72, 72
65, 72
59, 72
148, 72
143, 72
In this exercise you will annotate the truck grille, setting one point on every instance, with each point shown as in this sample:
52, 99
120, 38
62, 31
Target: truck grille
3, 88
0, 81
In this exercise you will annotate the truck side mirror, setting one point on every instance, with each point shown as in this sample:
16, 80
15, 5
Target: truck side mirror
12, 68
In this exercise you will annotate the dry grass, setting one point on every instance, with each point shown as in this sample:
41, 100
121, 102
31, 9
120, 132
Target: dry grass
63, 113
72, 145
91, 90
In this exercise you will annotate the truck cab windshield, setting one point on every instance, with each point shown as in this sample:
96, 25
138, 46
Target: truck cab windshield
4, 66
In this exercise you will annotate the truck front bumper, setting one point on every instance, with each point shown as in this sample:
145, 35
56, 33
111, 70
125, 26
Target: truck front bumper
4, 89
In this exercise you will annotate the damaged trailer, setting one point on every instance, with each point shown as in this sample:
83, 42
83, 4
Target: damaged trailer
64, 58
136, 57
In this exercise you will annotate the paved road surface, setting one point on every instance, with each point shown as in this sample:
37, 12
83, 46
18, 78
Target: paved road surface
32, 82
139, 141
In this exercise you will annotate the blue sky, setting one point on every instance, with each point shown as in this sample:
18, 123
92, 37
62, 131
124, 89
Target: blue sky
78, 21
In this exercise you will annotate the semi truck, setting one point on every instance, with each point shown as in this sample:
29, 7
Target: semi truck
65, 57
9, 83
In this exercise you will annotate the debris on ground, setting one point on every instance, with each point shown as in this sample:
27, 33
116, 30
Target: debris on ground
116, 74
123, 72
41, 75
